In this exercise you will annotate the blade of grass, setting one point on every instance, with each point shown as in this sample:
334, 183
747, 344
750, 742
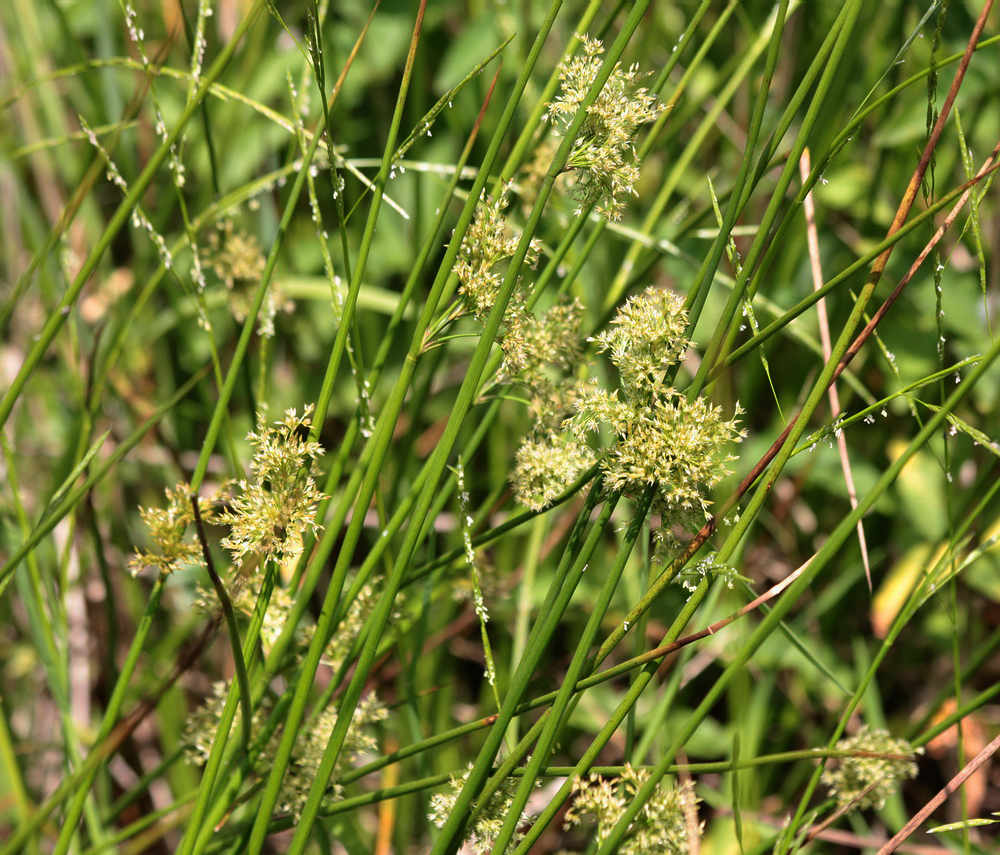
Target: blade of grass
380, 443
55, 513
58, 317
824, 331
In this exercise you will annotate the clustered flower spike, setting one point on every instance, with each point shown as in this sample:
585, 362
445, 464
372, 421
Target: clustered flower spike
661, 827
866, 782
278, 504
660, 436
169, 530
339, 647
267, 520
245, 591
553, 352
202, 725
669, 441
550, 458
646, 338
307, 753
541, 353
604, 152
483, 834
480, 269
238, 261
310, 746
487, 244
545, 466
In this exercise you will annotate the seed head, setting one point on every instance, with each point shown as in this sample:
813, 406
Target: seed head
483, 834
660, 827
277, 505
603, 154
866, 782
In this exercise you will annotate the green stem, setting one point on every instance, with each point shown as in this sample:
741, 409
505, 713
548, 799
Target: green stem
72, 817
682, 165
380, 444
218, 754
828, 59
63, 310
234, 633
51, 516
556, 721
572, 565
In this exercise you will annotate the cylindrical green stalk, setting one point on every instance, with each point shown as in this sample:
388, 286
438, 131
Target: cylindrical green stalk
567, 691
59, 315
380, 443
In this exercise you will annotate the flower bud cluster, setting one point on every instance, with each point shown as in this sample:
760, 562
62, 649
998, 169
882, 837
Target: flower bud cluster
603, 154
549, 457
661, 827
488, 243
483, 834
170, 528
659, 436
237, 259
310, 744
268, 514
541, 353
277, 505
866, 782
267, 519
202, 725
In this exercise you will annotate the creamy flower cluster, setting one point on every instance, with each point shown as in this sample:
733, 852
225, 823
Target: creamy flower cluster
603, 155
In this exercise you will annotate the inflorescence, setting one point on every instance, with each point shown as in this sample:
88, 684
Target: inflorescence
866, 782
603, 155
662, 827
277, 505
266, 515
653, 435
483, 833
657, 435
